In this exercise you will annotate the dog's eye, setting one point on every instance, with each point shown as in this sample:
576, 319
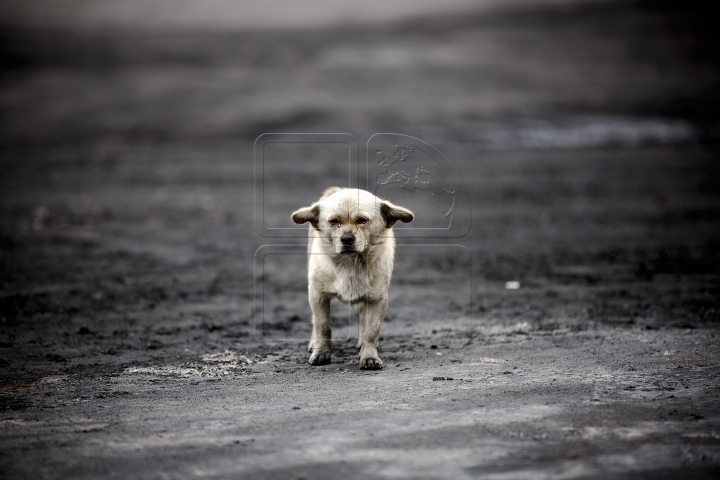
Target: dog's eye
361, 221
334, 221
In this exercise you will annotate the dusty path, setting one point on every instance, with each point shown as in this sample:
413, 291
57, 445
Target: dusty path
586, 140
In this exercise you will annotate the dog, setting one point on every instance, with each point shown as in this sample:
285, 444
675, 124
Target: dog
351, 250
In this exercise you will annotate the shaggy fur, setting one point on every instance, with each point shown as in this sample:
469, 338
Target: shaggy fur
351, 249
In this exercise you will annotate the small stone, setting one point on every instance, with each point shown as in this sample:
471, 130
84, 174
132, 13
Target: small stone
153, 345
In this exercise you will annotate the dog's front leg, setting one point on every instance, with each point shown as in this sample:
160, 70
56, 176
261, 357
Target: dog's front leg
321, 340
372, 314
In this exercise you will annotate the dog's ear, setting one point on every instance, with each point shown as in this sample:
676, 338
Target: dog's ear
308, 214
392, 213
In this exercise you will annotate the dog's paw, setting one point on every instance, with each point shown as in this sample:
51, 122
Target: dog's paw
320, 358
371, 363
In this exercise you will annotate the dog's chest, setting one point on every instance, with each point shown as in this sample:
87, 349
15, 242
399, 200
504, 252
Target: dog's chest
352, 284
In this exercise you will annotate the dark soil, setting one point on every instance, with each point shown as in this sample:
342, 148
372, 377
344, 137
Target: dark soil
136, 343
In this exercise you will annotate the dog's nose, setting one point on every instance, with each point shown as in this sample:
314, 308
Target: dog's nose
347, 239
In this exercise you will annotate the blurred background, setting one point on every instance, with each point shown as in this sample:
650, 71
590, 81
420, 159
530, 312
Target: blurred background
585, 133
99, 72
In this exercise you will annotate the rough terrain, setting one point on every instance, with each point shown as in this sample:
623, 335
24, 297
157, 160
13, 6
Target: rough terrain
132, 345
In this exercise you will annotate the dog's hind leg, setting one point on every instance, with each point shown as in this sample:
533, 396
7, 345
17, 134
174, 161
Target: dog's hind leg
361, 324
311, 345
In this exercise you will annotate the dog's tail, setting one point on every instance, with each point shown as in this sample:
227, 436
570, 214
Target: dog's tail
329, 191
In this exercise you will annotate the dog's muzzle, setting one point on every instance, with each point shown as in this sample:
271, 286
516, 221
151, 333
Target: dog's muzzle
348, 243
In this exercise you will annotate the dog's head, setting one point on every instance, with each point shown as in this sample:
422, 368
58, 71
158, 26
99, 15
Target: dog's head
352, 219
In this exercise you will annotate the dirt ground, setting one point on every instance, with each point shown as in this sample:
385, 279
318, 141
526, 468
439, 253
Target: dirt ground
144, 336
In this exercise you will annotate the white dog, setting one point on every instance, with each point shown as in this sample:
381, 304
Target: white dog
351, 250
